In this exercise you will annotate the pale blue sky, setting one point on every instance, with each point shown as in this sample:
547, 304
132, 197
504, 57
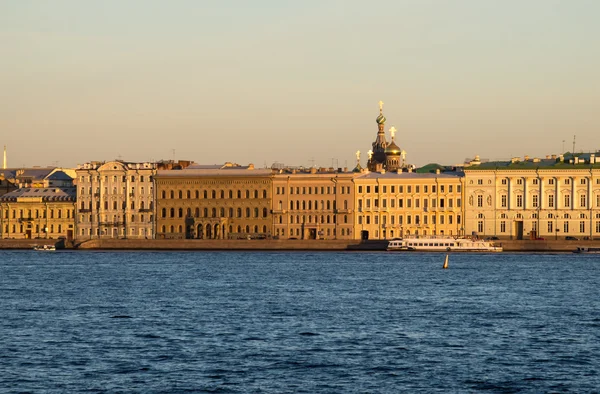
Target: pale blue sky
288, 81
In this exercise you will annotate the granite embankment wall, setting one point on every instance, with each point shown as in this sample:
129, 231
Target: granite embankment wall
194, 244
356, 245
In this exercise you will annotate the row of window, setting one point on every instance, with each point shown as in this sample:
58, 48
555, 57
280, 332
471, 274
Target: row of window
116, 191
36, 230
214, 212
308, 205
314, 190
566, 226
409, 188
504, 199
536, 181
39, 214
115, 178
133, 231
443, 220
213, 194
116, 218
409, 203
115, 205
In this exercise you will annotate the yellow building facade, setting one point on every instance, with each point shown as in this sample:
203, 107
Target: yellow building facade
213, 202
45, 212
313, 204
392, 205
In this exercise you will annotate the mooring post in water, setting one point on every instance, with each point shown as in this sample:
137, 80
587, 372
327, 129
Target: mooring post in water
446, 262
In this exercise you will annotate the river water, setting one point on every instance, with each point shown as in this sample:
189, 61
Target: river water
302, 322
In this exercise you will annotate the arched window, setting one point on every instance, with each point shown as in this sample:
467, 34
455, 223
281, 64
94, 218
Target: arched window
213, 194
205, 212
239, 229
345, 204
247, 193
239, 194
180, 212
328, 205
164, 213
164, 228
197, 193
264, 212
188, 194
214, 212
189, 212
222, 212
230, 213
255, 229
222, 193
231, 194
303, 205
82, 205
248, 229
256, 194
163, 195
239, 212
292, 219
255, 212
291, 204
346, 218
205, 194
264, 194
328, 219
172, 194
265, 229
180, 194
197, 213
247, 212
142, 205
180, 229
172, 229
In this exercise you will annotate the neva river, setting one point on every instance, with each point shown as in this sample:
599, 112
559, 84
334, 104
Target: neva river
232, 322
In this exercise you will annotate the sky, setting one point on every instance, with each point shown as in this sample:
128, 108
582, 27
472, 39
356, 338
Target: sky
296, 82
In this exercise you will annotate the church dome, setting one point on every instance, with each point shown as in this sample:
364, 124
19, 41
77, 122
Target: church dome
393, 149
380, 119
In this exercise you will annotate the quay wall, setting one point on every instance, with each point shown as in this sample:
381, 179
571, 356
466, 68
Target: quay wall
324, 245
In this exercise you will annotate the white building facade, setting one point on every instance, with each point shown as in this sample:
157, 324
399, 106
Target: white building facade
115, 199
550, 198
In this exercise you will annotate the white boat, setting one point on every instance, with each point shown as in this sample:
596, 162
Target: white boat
587, 250
44, 248
443, 244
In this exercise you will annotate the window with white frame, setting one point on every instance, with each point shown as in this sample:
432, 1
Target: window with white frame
551, 201
566, 227
567, 200
582, 227
534, 201
503, 201
519, 201
582, 201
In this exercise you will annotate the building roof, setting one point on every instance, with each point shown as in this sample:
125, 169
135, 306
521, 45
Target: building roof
568, 161
33, 173
411, 175
47, 194
214, 172
59, 176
